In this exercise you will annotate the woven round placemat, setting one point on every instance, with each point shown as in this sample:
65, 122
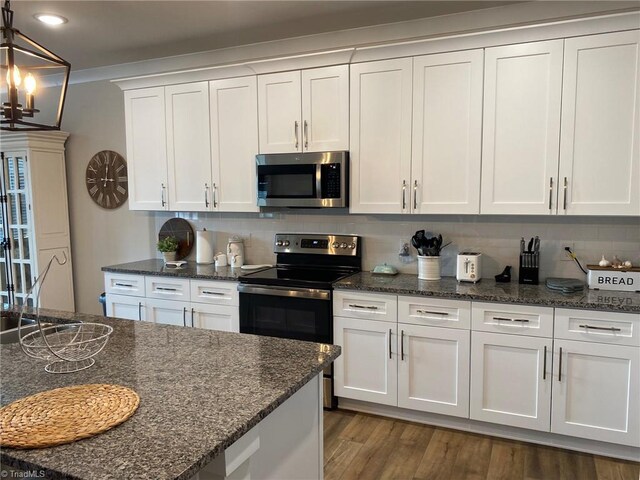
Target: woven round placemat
64, 415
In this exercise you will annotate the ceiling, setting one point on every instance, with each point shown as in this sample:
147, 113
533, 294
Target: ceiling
111, 32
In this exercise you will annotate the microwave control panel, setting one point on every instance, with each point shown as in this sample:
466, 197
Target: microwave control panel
330, 185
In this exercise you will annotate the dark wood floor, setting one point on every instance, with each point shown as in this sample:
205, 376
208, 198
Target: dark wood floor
361, 446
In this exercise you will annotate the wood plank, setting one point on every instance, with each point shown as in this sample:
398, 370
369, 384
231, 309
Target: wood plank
360, 428
472, 462
404, 460
338, 463
576, 465
541, 463
507, 460
440, 456
612, 469
334, 423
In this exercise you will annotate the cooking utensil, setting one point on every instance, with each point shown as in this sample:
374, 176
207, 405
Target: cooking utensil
530, 245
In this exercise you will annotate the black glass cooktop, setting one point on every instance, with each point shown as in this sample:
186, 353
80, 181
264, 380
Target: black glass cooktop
295, 276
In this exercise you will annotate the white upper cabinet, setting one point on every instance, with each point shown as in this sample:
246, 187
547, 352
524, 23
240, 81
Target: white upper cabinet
521, 128
279, 112
325, 109
599, 153
146, 148
304, 111
188, 146
447, 132
234, 144
380, 136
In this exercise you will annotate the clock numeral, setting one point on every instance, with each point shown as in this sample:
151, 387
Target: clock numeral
91, 180
99, 161
99, 200
93, 169
93, 190
119, 168
116, 199
122, 179
121, 190
108, 200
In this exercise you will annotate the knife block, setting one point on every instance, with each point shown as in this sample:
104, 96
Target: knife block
529, 268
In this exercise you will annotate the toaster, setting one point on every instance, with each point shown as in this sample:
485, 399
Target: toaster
469, 266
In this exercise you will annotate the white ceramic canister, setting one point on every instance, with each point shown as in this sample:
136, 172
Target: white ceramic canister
428, 268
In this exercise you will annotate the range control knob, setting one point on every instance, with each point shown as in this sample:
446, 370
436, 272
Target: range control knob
352, 246
343, 245
335, 245
279, 243
286, 243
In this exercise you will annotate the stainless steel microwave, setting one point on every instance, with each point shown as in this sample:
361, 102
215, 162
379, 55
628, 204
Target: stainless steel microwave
303, 180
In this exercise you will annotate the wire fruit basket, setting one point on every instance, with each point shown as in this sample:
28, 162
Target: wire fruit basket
69, 347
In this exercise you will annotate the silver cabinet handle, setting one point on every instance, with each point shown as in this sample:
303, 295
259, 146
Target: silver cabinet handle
166, 289
368, 307
306, 135
560, 366
209, 292
390, 343
162, 194
192, 316
128, 285
139, 310
206, 195
608, 329
544, 364
564, 193
428, 312
404, 191
415, 194
215, 196
184, 316
503, 319
295, 131
402, 345
550, 191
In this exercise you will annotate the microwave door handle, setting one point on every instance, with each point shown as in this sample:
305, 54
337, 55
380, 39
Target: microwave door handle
319, 181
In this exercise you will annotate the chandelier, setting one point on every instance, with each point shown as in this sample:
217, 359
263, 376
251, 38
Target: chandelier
24, 64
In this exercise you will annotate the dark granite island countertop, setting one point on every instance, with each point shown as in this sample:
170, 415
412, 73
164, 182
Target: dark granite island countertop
200, 391
155, 266
487, 290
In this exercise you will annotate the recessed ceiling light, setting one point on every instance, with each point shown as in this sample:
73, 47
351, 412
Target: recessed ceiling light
50, 18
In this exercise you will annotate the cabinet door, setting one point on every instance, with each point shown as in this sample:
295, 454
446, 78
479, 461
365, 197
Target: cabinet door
215, 317
168, 312
511, 380
144, 115
521, 128
433, 371
123, 306
600, 145
596, 392
367, 368
188, 146
279, 112
234, 144
447, 132
325, 109
380, 134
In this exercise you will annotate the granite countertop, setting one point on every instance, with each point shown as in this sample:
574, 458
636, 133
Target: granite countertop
487, 290
155, 266
200, 390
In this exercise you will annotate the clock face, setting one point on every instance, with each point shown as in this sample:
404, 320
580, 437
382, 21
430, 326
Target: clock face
106, 179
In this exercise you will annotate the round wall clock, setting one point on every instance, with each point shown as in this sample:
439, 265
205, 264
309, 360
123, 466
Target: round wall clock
106, 179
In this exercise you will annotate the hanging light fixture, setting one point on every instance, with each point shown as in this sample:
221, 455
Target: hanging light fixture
24, 63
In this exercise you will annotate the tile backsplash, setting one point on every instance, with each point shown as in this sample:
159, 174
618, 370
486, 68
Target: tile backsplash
497, 237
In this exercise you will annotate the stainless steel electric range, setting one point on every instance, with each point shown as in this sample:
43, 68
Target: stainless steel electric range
294, 298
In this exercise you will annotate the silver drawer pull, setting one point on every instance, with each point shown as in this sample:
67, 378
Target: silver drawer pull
209, 292
427, 312
368, 307
128, 285
608, 329
166, 289
503, 319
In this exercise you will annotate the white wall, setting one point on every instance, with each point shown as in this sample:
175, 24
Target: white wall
497, 237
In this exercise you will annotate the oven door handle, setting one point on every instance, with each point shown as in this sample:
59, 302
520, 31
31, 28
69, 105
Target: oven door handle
312, 293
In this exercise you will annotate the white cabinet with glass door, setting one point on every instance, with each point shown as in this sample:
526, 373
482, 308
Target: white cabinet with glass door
447, 132
521, 128
188, 146
144, 114
600, 144
234, 144
380, 136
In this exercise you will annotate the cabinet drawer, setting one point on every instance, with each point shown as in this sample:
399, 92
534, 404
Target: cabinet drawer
119, 284
602, 327
167, 288
434, 311
373, 306
214, 292
514, 319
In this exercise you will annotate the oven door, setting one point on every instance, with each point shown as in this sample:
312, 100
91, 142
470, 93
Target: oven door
297, 313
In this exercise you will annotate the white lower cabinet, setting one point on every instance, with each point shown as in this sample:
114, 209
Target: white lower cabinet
433, 371
511, 380
215, 317
168, 312
125, 306
367, 368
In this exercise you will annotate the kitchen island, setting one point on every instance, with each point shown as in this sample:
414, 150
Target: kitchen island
212, 405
